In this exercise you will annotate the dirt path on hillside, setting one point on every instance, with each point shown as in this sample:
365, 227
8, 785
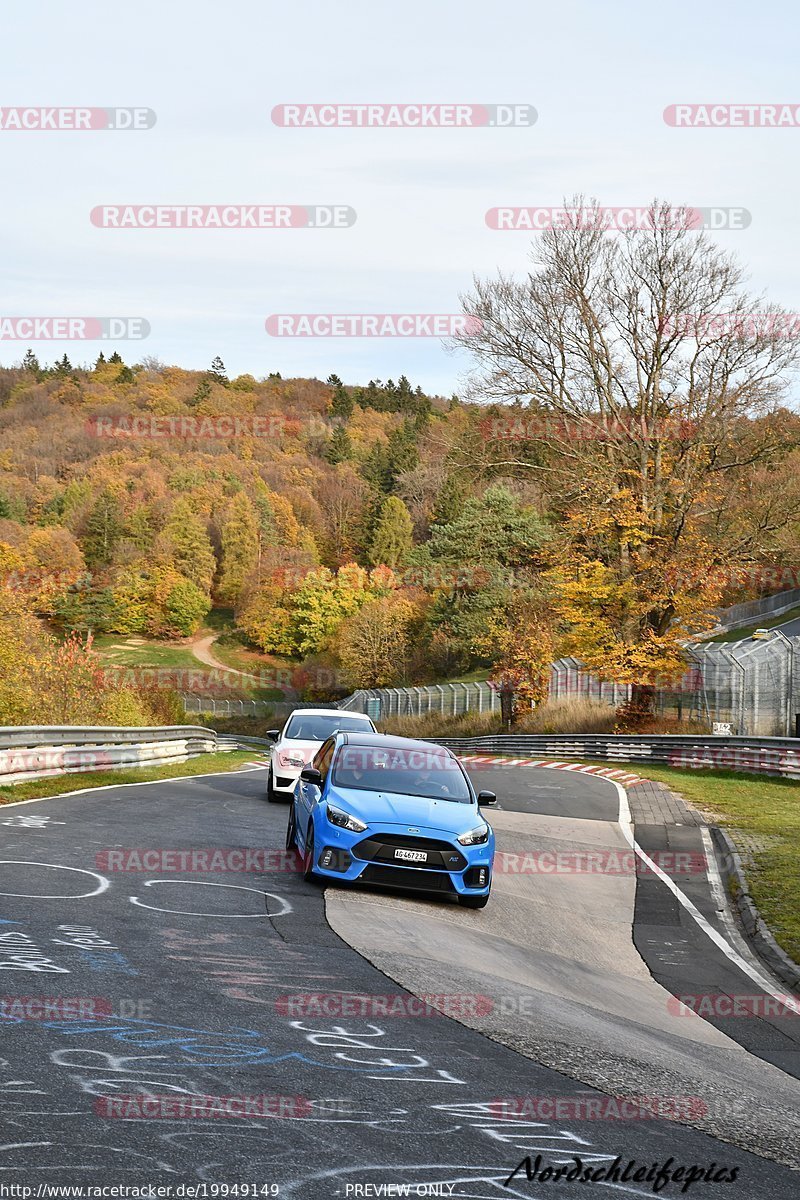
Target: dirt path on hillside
201, 649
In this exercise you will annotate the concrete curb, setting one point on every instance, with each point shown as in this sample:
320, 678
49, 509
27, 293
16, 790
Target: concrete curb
758, 935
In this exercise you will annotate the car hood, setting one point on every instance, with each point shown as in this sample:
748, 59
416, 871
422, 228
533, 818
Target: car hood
392, 808
307, 749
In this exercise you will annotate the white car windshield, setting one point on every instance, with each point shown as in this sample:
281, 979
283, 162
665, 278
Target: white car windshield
311, 728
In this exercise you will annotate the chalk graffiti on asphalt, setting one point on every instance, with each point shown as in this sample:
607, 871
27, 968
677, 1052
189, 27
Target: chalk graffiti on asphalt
237, 974
339, 1038
101, 881
282, 905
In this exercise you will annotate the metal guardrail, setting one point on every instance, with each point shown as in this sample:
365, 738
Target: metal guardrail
767, 756
91, 735
39, 751
750, 610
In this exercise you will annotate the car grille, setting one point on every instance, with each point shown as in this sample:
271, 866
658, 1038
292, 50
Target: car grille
380, 848
430, 881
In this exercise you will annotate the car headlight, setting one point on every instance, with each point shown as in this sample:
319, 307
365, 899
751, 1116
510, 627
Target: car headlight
475, 837
287, 759
344, 820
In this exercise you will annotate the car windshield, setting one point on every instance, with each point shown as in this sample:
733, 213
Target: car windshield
431, 773
311, 728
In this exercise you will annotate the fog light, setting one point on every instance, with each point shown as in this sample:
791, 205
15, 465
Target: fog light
477, 877
334, 859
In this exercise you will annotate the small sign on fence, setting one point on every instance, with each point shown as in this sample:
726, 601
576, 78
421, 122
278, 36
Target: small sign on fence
722, 729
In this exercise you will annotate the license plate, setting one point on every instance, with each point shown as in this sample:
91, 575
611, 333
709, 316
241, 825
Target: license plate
412, 855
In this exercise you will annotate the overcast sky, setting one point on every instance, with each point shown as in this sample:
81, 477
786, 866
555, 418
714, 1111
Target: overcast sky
598, 75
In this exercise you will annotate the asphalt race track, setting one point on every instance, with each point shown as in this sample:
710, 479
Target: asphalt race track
193, 979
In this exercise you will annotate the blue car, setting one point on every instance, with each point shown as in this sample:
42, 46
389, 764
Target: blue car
394, 812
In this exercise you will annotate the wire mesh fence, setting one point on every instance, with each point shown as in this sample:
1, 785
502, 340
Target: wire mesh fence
444, 699
752, 686
240, 708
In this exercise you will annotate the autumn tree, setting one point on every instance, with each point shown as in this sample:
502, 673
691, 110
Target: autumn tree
240, 543
392, 542
103, 529
374, 643
184, 543
342, 495
650, 376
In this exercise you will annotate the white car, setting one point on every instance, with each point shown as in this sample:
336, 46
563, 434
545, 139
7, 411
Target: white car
300, 739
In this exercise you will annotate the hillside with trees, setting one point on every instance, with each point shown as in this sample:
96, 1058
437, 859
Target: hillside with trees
602, 487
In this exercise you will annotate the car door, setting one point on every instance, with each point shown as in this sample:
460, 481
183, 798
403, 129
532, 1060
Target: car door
308, 794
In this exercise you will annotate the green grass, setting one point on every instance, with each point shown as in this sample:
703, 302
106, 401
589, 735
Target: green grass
55, 785
763, 807
476, 675
736, 635
263, 666
116, 651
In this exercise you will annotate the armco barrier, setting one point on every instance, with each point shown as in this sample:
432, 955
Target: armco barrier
768, 756
38, 751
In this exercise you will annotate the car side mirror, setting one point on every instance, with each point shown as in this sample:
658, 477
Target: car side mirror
274, 734
311, 775
486, 799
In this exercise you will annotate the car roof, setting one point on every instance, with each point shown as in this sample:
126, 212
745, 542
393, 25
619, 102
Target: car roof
326, 712
388, 741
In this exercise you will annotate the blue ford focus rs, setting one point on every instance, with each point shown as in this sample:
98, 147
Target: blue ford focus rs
394, 812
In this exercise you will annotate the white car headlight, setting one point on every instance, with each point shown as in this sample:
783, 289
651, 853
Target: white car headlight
344, 820
475, 837
288, 758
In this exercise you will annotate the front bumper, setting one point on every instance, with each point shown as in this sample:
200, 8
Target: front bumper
449, 867
284, 779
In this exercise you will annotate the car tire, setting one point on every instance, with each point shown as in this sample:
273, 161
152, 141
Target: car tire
291, 830
272, 795
474, 901
308, 855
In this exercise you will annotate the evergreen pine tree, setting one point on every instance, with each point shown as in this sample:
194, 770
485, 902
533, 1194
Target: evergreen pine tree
218, 371
202, 392
104, 528
339, 448
342, 403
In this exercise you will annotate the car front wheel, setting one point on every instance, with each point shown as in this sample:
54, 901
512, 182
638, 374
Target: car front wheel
272, 795
291, 830
308, 856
